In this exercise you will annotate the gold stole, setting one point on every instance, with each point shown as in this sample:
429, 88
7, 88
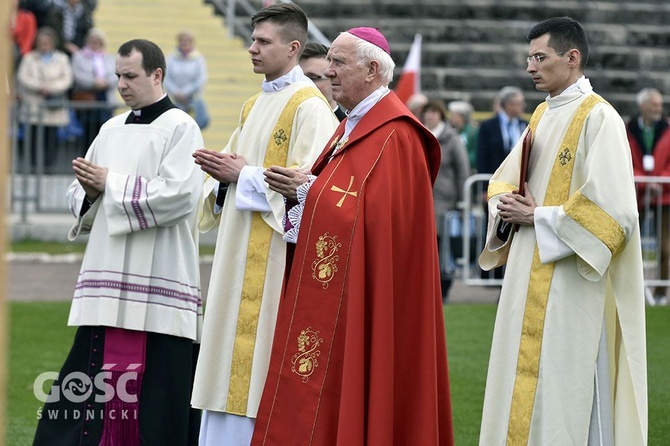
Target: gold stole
260, 238
539, 283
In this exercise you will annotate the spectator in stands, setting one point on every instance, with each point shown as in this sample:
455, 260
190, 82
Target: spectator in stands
313, 63
454, 170
40, 8
71, 19
498, 135
94, 80
649, 141
24, 27
415, 104
186, 78
460, 118
44, 77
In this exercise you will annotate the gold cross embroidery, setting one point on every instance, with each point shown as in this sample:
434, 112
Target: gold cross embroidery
565, 157
345, 192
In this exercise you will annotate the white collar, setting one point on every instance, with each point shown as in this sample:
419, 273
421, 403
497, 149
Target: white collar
357, 113
573, 92
293, 76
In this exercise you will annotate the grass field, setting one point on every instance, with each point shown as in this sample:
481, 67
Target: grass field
40, 340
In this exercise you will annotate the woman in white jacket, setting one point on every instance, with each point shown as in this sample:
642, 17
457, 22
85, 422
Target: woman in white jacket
44, 77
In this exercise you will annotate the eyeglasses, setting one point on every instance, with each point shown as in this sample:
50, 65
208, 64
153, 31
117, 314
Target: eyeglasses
315, 78
537, 58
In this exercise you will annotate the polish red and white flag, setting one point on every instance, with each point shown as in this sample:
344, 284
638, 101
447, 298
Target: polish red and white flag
409, 82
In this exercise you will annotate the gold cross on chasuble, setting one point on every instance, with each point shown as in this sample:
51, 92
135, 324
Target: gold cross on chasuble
345, 192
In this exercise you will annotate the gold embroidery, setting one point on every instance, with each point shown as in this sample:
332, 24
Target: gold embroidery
305, 361
341, 144
530, 345
598, 222
260, 238
280, 137
496, 188
325, 266
564, 157
345, 192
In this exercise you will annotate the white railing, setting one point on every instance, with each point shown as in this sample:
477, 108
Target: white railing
466, 230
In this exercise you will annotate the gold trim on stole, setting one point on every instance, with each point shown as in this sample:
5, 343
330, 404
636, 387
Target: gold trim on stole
258, 251
539, 283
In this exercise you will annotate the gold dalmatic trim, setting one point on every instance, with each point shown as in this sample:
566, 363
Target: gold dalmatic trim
260, 238
598, 222
344, 192
305, 361
539, 284
325, 266
500, 188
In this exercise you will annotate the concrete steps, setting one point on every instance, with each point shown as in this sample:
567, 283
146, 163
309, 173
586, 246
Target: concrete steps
473, 48
230, 77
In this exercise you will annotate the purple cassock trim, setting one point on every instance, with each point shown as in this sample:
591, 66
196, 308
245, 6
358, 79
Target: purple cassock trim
107, 271
138, 288
135, 203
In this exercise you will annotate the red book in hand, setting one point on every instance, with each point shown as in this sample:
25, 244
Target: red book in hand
505, 229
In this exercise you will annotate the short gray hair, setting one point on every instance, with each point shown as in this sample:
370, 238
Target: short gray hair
463, 108
645, 95
366, 52
507, 94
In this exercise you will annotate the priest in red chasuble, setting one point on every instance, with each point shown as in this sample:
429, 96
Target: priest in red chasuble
359, 355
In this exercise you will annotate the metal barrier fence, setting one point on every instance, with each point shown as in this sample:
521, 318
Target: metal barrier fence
41, 161
466, 231
41, 173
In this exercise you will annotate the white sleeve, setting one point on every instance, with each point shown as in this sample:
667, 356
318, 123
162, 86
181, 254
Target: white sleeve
251, 189
550, 246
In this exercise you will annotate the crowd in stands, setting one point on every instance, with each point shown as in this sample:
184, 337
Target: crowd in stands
78, 48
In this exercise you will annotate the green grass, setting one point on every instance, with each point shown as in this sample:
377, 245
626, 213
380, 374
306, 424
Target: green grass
29, 245
40, 340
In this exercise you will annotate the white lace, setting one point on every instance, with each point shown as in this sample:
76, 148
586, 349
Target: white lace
294, 215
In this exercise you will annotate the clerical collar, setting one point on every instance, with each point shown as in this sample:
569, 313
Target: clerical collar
146, 115
357, 113
583, 85
293, 76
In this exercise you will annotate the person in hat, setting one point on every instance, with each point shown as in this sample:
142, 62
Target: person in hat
359, 354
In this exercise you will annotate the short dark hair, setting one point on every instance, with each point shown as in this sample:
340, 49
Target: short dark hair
436, 105
291, 19
314, 50
152, 56
565, 33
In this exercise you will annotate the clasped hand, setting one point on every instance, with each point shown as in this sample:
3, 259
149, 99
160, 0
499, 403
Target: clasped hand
91, 177
517, 209
223, 167
286, 180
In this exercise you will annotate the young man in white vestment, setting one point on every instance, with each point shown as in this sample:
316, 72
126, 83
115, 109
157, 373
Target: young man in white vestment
568, 359
137, 300
287, 124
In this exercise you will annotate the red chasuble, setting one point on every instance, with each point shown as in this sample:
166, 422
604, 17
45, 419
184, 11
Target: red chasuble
359, 355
